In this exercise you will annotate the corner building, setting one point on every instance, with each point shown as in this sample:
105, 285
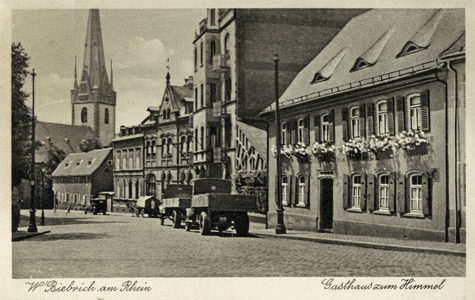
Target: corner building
233, 80
372, 130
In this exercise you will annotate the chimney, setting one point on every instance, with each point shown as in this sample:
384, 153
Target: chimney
189, 82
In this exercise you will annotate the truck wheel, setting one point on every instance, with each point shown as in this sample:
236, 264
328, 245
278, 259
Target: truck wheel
241, 224
205, 224
187, 226
176, 219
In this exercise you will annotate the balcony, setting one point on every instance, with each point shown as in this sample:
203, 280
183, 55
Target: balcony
221, 62
219, 111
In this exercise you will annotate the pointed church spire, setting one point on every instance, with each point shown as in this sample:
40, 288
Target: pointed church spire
168, 72
75, 73
94, 69
112, 78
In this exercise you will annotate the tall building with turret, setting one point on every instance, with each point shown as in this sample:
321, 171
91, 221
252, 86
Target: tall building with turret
93, 99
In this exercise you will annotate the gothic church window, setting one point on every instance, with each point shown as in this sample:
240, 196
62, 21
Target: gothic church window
84, 115
106, 116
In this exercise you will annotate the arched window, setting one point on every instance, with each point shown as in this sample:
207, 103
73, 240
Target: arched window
284, 133
382, 117
137, 191
415, 192
212, 51
226, 44
84, 115
183, 178
130, 189
356, 186
189, 177
415, 112
106, 116
227, 89
301, 191
201, 53
301, 129
151, 185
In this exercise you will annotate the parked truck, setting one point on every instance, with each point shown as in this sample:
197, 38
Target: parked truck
214, 207
176, 198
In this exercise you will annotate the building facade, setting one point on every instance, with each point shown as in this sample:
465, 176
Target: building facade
93, 100
81, 177
157, 152
371, 134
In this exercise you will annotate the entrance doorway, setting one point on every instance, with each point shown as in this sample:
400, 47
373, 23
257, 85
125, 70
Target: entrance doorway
326, 197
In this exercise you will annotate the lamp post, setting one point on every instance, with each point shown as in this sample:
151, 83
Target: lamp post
42, 199
32, 226
279, 227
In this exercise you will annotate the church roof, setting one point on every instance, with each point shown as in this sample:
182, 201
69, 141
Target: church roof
433, 28
66, 137
82, 164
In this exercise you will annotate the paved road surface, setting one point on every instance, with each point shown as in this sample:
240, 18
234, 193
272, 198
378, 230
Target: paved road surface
88, 246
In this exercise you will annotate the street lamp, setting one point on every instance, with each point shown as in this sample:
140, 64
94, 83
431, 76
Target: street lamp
32, 226
279, 227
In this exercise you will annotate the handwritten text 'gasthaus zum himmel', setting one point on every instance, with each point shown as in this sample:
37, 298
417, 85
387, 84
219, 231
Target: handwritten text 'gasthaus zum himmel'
408, 284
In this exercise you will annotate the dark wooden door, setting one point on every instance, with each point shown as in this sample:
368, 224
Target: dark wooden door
326, 203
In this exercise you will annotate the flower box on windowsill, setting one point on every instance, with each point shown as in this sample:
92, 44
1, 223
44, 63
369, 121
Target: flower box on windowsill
412, 140
325, 152
356, 149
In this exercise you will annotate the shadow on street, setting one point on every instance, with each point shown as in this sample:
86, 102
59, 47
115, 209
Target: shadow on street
66, 220
67, 236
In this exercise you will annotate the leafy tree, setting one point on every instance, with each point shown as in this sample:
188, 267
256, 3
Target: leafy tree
21, 119
90, 143
54, 157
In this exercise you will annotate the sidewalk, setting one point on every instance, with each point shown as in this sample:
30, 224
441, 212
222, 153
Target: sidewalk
363, 241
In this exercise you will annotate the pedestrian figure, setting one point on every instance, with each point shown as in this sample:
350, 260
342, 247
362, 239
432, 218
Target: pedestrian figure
56, 202
69, 209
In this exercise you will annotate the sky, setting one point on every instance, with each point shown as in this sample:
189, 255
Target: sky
138, 41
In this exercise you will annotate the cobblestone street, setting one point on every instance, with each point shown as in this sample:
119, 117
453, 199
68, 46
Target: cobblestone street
89, 246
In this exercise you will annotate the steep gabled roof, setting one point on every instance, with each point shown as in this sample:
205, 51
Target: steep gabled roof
82, 164
455, 48
65, 137
358, 36
256, 136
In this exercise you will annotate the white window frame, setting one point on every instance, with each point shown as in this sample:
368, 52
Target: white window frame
284, 132
131, 158
415, 112
285, 191
300, 130
382, 117
325, 125
301, 190
383, 192
137, 158
415, 194
124, 160
355, 122
356, 191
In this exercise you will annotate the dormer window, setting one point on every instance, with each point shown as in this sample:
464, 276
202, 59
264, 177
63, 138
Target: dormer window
318, 78
360, 64
409, 48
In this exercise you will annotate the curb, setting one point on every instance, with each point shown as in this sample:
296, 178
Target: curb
26, 236
366, 244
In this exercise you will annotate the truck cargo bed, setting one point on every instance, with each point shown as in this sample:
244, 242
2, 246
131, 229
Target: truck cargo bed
224, 202
175, 203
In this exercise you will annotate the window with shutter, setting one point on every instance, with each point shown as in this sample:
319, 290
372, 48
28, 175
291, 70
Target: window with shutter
425, 111
325, 136
300, 130
391, 192
401, 122
415, 193
344, 123
284, 134
383, 192
355, 122
345, 191
363, 192
362, 121
370, 192
306, 132
285, 191
382, 121
425, 194
331, 126
316, 125
401, 193
415, 112
356, 190
293, 129
391, 116
370, 119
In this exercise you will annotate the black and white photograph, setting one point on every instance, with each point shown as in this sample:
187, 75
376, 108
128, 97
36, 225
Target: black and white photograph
214, 150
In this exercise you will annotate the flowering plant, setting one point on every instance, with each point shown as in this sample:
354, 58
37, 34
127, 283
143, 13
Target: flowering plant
381, 143
323, 151
409, 140
300, 150
354, 146
286, 150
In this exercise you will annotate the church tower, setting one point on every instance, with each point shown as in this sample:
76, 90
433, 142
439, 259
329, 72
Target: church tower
94, 99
